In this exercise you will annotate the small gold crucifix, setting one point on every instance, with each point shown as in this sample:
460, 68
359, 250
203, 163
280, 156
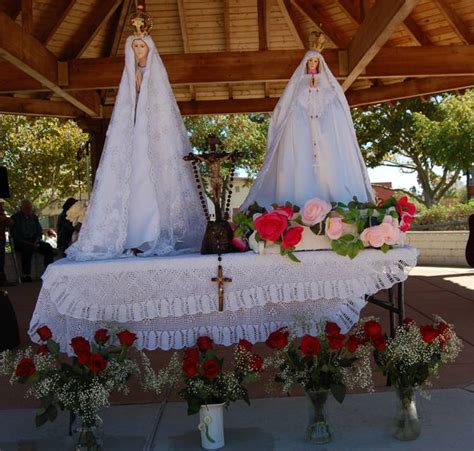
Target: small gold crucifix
220, 279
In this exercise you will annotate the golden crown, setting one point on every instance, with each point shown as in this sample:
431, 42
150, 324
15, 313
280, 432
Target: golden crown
317, 41
140, 23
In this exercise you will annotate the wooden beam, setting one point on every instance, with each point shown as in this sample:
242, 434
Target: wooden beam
415, 31
293, 14
377, 27
29, 55
412, 88
37, 107
351, 10
255, 66
460, 28
59, 13
121, 24
185, 37
11, 8
88, 30
27, 16
262, 24
291, 25
311, 11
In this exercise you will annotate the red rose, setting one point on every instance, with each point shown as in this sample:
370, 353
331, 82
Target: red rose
442, 328
404, 206
372, 328
245, 344
256, 363
80, 344
204, 343
277, 339
353, 343
126, 338
332, 328
192, 355
189, 367
428, 333
336, 341
407, 322
292, 237
44, 333
211, 369
270, 226
310, 345
284, 210
42, 349
379, 342
97, 363
405, 222
26, 367
101, 336
83, 357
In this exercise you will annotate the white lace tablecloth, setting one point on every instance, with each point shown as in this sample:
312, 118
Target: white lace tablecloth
170, 301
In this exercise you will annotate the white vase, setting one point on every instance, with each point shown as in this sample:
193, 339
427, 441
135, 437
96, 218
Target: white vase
211, 425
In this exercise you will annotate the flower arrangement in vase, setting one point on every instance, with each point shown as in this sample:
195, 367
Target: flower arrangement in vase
323, 364
410, 359
208, 388
347, 228
81, 384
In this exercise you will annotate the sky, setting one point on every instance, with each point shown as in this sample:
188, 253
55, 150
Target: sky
394, 175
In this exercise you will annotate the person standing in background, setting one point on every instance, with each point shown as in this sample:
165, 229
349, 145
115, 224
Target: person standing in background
5, 223
65, 227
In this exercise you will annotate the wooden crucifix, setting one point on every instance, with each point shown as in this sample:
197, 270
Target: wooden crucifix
220, 279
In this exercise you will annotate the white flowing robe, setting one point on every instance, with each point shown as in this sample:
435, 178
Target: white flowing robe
144, 194
312, 149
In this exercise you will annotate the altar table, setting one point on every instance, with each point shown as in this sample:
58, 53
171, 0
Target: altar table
170, 301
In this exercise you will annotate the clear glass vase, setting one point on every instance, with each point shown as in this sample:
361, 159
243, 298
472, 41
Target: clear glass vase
407, 423
87, 436
318, 430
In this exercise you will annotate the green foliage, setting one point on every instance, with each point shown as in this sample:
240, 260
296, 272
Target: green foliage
434, 139
40, 155
440, 214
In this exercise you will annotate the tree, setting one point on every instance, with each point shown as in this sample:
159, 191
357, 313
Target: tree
434, 138
40, 156
246, 133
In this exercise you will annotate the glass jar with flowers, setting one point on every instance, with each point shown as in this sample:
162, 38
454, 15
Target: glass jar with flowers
325, 364
410, 359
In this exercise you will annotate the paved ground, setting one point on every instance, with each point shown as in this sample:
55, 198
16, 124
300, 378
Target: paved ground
363, 422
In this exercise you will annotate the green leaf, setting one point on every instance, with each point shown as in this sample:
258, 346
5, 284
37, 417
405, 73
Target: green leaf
339, 392
385, 248
293, 257
53, 347
41, 419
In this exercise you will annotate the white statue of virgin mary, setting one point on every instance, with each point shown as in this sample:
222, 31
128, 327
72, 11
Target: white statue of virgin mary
312, 149
145, 199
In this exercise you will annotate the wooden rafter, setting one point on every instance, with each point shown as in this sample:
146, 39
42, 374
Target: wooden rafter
121, 24
262, 17
407, 89
461, 29
291, 25
60, 12
29, 55
27, 16
87, 32
410, 25
11, 8
37, 107
314, 15
377, 27
253, 66
184, 34
292, 12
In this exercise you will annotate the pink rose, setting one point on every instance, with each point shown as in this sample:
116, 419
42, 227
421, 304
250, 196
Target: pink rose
270, 226
372, 236
335, 228
315, 211
239, 243
285, 210
391, 220
391, 233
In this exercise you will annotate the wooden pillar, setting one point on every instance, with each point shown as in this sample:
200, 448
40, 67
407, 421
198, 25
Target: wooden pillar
97, 129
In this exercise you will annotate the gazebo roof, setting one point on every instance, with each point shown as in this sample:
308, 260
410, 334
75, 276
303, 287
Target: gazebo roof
65, 57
